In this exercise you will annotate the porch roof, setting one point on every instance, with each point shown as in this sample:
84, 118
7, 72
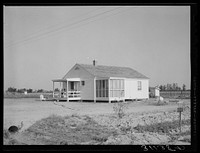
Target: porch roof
59, 80
65, 80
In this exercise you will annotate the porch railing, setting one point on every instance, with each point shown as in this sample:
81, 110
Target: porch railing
73, 94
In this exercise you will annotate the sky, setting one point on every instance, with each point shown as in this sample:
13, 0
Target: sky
42, 43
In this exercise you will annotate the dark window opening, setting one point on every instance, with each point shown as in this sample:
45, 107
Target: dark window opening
72, 85
83, 83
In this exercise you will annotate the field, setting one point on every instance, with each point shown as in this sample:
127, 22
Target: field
16, 95
65, 123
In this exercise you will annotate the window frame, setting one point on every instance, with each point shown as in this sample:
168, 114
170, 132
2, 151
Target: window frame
139, 85
101, 88
117, 88
82, 83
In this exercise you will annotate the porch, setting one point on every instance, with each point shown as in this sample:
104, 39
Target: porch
69, 89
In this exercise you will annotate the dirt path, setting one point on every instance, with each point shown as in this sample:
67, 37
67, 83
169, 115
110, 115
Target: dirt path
29, 112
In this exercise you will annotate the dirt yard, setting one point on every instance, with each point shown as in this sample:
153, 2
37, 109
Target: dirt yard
137, 113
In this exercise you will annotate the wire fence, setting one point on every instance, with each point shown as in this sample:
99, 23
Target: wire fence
175, 94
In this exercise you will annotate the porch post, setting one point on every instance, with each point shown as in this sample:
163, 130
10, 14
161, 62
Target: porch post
60, 89
67, 93
80, 86
53, 89
109, 100
94, 89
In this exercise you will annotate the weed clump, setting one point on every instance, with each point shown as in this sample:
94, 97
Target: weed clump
119, 109
164, 127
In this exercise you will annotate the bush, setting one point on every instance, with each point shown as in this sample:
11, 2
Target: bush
119, 109
11, 89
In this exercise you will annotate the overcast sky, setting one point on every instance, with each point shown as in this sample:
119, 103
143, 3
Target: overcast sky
42, 43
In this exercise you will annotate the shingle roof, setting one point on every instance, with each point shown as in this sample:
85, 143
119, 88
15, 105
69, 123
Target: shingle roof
112, 71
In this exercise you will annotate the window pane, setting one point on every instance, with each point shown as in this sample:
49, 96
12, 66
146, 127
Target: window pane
97, 95
122, 93
118, 84
139, 85
106, 84
103, 90
106, 93
97, 88
72, 85
118, 93
103, 84
113, 84
82, 83
99, 85
115, 93
111, 93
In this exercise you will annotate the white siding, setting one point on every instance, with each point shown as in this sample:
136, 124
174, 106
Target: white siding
78, 73
87, 91
157, 92
131, 89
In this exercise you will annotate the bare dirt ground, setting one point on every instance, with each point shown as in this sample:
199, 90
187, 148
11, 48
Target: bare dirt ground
138, 112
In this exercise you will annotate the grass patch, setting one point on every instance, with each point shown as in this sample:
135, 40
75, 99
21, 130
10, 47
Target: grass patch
163, 127
74, 129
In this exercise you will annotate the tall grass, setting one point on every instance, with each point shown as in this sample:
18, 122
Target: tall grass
74, 129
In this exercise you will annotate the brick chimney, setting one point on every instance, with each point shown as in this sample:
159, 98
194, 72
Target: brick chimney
94, 62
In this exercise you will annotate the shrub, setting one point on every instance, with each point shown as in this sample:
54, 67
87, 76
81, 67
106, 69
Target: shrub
119, 109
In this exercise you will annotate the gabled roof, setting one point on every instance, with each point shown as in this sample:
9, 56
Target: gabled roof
112, 71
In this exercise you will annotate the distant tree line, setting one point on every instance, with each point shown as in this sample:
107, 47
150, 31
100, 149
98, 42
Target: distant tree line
12, 89
172, 87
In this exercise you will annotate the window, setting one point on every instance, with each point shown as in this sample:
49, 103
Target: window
116, 88
101, 88
82, 83
72, 85
139, 85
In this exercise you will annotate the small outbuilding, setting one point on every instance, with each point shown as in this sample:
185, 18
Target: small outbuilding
154, 91
102, 83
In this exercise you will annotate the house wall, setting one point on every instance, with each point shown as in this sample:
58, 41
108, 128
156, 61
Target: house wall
78, 72
131, 89
87, 91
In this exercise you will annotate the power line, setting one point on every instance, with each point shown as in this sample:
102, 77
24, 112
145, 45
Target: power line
63, 27
58, 24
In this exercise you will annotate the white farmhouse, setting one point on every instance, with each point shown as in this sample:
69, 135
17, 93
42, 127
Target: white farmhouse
102, 83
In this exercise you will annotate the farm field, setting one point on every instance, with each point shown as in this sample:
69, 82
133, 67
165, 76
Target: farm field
61, 123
